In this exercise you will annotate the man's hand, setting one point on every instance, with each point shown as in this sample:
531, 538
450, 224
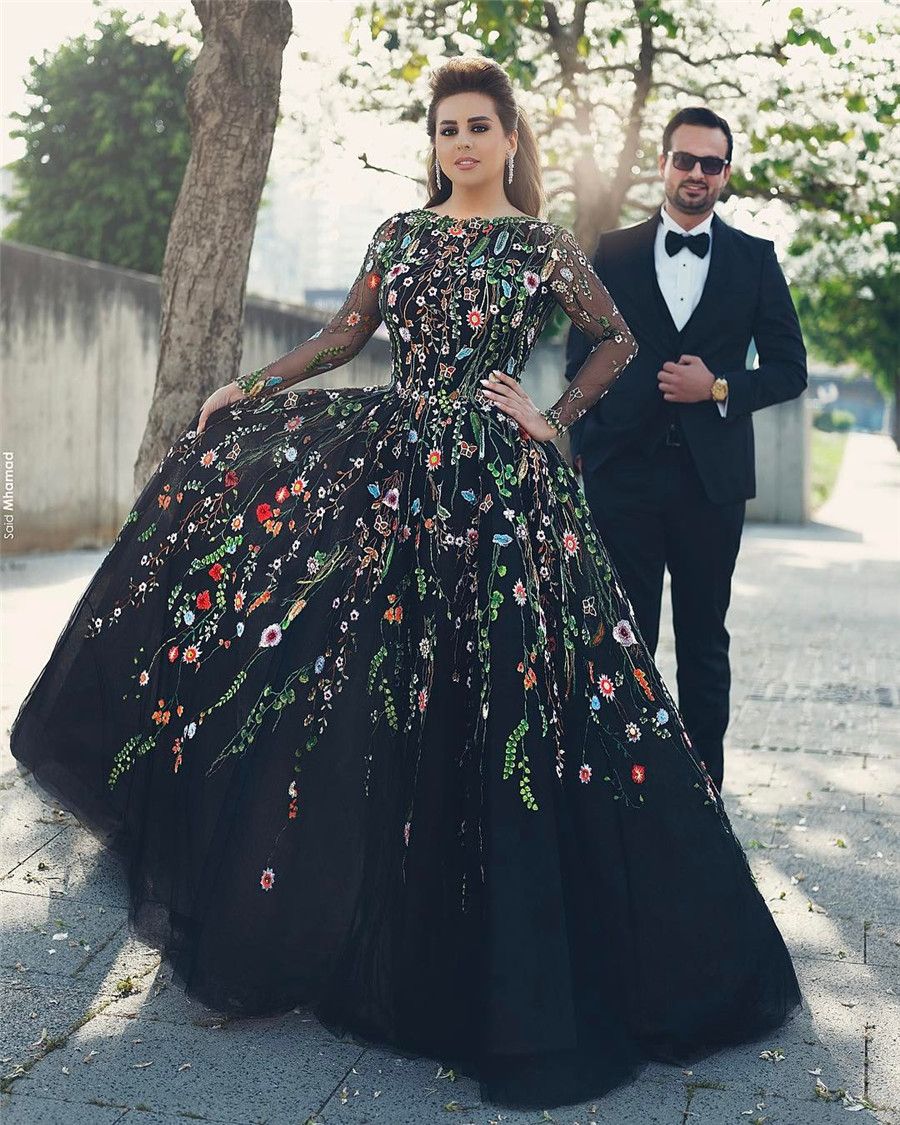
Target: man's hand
688, 380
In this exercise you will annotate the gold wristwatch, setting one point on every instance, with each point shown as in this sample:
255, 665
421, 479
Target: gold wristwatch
719, 390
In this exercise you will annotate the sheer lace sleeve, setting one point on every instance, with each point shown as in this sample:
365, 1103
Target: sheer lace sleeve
589, 306
343, 336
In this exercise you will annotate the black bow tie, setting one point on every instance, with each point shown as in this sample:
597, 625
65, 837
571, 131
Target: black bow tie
697, 243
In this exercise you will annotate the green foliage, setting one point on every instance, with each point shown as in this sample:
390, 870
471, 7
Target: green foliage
834, 421
617, 61
107, 141
826, 457
855, 320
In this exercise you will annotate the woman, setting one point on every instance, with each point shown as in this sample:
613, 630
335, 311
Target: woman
361, 702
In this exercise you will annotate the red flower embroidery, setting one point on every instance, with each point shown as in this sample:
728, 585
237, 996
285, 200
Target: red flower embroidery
282, 494
638, 773
173, 654
203, 600
216, 571
585, 774
267, 879
263, 512
231, 478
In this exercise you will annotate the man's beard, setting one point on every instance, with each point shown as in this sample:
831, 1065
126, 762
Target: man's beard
689, 205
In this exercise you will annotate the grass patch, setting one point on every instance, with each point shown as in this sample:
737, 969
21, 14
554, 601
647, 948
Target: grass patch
826, 455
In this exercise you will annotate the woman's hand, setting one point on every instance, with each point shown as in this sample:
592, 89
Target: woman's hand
224, 396
509, 397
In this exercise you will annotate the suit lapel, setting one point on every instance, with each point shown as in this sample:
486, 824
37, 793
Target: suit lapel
649, 295
648, 271
715, 286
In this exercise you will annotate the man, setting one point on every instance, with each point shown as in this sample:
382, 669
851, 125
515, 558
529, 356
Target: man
667, 454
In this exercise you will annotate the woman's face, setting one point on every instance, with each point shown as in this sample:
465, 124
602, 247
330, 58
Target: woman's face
469, 141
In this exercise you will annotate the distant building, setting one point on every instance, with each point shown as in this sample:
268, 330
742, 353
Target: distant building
840, 389
305, 248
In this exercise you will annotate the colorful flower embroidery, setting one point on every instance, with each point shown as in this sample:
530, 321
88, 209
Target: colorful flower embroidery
624, 634
270, 637
410, 544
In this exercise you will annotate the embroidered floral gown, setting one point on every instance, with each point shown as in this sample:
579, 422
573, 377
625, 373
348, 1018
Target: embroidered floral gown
361, 703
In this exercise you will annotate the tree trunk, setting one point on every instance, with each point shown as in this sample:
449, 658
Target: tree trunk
232, 107
591, 191
599, 202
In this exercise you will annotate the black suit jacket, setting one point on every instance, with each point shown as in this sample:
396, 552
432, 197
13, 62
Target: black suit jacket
745, 297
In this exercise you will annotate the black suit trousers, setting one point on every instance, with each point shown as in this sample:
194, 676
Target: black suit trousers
652, 513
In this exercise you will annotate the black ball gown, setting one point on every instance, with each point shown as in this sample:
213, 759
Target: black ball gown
359, 700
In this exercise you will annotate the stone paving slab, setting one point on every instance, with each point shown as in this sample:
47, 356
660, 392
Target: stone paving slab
384, 1088
274, 1071
22, 1109
25, 1109
42, 1009
28, 823
717, 1107
73, 863
58, 936
856, 1009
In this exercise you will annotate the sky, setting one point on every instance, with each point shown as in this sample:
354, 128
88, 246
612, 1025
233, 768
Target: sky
29, 27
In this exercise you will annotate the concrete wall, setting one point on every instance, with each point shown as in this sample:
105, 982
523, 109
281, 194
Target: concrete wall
782, 463
79, 346
78, 357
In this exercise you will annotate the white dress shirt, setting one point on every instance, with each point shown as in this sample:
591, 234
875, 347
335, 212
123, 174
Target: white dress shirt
682, 276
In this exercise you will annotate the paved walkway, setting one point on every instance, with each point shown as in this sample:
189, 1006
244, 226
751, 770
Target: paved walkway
813, 786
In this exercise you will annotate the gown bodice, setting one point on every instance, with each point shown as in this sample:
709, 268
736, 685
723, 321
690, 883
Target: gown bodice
461, 298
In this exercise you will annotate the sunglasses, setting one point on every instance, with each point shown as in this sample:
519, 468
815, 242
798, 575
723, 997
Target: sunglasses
709, 165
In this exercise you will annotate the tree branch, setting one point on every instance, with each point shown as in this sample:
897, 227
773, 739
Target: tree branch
701, 91
820, 199
776, 52
364, 160
579, 18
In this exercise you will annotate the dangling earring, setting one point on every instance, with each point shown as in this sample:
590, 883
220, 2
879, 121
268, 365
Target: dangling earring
509, 163
437, 171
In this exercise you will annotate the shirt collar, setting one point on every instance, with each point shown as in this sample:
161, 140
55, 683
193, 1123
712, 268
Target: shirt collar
668, 223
